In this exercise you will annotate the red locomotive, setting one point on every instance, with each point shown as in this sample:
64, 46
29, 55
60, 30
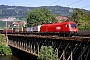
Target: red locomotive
59, 27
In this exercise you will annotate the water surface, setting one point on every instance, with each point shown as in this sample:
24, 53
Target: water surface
9, 57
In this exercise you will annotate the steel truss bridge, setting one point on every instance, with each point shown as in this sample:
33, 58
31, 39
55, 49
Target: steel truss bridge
66, 48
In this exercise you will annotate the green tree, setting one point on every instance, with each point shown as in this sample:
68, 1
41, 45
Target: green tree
81, 18
87, 26
47, 53
3, 48
40, 16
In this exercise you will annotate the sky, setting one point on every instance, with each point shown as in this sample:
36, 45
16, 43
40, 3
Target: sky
83, 4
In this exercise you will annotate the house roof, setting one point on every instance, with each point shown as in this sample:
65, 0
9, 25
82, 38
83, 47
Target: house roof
22, 23
62, 18
15, 23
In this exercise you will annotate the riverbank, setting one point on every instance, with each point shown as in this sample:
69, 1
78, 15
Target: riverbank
9, 57
4, 50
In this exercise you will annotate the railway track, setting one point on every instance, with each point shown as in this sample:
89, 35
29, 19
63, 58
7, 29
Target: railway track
84, 33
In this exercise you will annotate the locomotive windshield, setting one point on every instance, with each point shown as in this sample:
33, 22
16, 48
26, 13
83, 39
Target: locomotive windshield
73, 25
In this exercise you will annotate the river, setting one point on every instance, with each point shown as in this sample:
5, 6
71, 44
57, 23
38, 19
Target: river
9, 57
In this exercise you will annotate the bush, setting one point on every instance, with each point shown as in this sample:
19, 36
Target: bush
47, 53
3, 48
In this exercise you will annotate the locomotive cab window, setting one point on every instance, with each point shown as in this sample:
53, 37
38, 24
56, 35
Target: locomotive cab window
73, 25
66, 25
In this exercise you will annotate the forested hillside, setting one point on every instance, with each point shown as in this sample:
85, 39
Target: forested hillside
14, 11
21, 11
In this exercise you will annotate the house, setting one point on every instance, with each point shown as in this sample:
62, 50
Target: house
22, 23
15, 24
61, 18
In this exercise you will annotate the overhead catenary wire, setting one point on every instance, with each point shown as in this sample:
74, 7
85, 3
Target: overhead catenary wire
71, 3
67, 5
77, 2
86, 6
74, 2
54, 2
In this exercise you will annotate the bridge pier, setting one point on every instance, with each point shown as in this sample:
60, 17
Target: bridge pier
6, 38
